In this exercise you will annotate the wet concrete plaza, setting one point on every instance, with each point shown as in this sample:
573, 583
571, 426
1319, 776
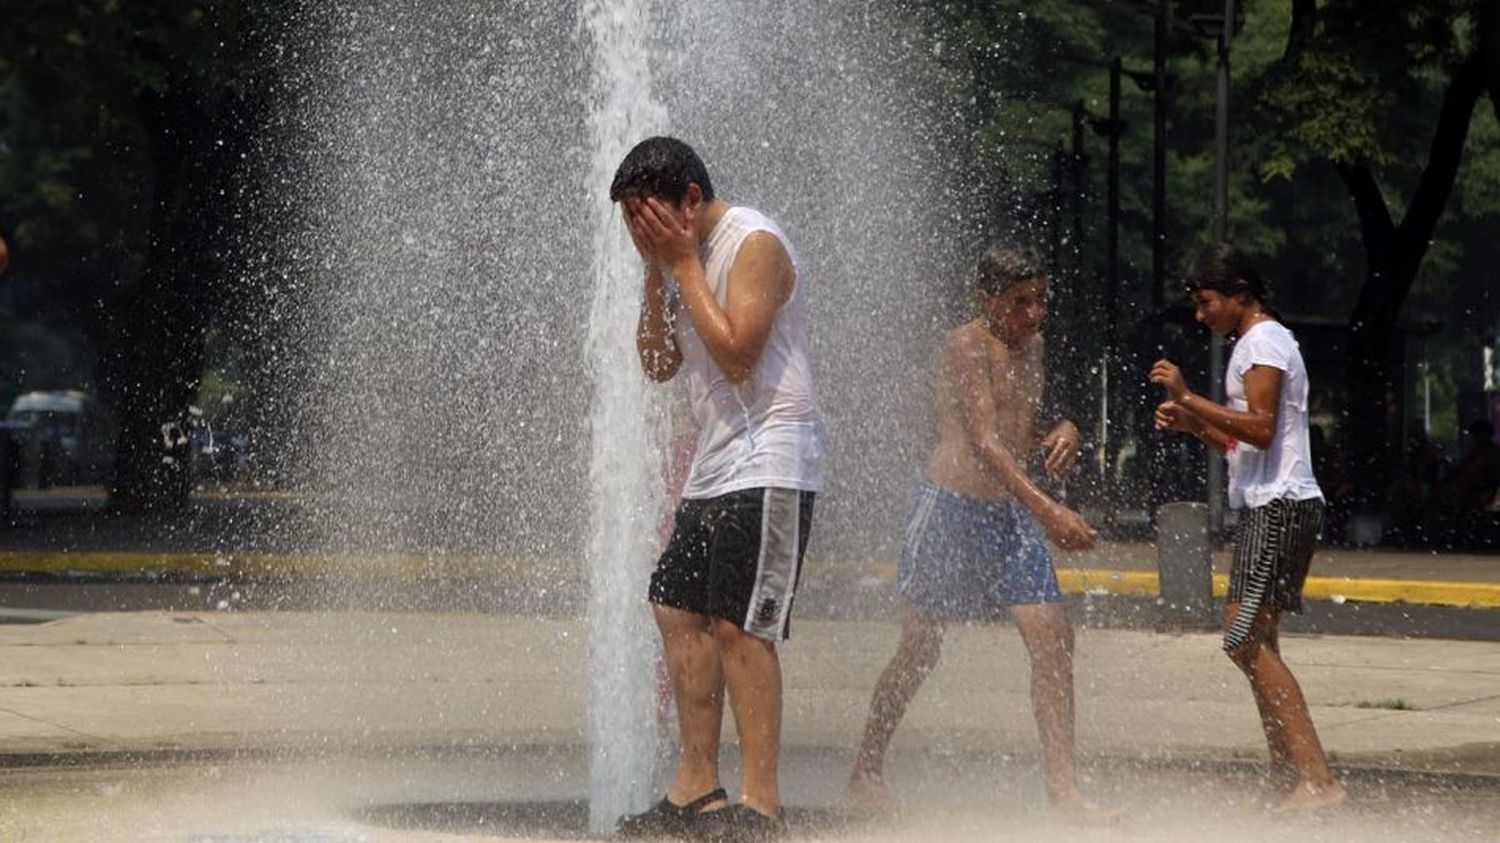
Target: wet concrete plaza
538, 795
394, 726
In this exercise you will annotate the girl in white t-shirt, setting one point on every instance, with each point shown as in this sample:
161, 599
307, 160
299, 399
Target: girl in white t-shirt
1263, 433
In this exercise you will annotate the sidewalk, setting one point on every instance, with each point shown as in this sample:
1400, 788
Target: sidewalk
445, 727
253, 536
1339, 575
170, 683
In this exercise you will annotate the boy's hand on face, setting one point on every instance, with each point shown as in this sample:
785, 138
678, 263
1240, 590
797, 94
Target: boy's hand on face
1068, 530
669, 234
631, 208
1171, 416
1060, 448
1166, 374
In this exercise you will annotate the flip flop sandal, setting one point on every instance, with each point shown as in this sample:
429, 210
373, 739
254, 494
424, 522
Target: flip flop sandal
665, 819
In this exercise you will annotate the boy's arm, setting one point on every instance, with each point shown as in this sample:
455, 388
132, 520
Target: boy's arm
655, 342
1061, 441
964, 363
760, 281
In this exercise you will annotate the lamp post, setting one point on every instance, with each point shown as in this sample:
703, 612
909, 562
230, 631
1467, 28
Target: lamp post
1159, 153
1220, 232
1222, 28
1111, 126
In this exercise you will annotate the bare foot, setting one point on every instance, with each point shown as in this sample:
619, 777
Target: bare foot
1073, 809
868, 796
1270, 791
1307, 797
1254, 803
1279, 780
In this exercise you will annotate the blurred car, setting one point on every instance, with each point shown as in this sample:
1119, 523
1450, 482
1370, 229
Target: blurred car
61, 437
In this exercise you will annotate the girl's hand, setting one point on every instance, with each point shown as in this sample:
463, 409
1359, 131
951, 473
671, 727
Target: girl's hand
1171, 416
1166, 375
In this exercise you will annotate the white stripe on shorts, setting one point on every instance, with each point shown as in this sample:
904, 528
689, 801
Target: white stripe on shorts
916, 529
777, 565
1280, 533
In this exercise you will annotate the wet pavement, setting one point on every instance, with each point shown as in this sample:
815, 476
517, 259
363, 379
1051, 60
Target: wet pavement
373, 726
447, 701
526, 795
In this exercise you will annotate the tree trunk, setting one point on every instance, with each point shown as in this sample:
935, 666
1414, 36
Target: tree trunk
1487, 37
1393, 256
157, 378
1374, 364
155, 371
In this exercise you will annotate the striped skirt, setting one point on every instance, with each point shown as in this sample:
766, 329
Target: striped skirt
1271, 558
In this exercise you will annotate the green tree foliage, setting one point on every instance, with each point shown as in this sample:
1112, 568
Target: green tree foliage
126, 128
1358, 167
1384, 94
1364, 168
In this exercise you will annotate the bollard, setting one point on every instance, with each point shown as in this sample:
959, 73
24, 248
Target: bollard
1184, 565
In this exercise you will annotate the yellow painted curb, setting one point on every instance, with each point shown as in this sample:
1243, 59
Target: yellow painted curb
211, 564
1098, 581
1437, 593
1126, 583
1337, 589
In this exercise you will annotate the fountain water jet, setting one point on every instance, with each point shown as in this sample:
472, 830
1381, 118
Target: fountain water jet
626, 466
452, 187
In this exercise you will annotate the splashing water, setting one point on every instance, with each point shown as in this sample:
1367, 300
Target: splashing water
467, 295
626, 465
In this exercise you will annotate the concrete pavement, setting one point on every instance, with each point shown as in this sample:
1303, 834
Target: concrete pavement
1339, 574
65, 533
264, 725
1121, 568
226, 682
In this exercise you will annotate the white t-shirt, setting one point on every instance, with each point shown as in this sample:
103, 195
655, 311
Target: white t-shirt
768, 430
1284, 470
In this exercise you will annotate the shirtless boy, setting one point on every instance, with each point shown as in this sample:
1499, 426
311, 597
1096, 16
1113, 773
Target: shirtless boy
975, 547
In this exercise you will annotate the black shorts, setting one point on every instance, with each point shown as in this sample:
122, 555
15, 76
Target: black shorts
1271, 557
737, 557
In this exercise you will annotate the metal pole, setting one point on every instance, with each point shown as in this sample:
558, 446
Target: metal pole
1054, 210
1080, 163
1112, 269
1076, 288
1426, 390
1159, 157
1184, 564
1113, 211
1220, 232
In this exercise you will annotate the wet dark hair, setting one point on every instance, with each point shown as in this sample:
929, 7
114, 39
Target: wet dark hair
1004, 264
662, 167
1224, 268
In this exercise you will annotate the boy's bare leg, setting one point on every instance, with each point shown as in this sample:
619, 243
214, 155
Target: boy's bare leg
1048, 636
752, 672
916, 656
1288, 724
698, 683
1049, 643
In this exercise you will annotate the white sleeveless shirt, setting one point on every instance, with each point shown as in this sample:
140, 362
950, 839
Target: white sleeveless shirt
768, 430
